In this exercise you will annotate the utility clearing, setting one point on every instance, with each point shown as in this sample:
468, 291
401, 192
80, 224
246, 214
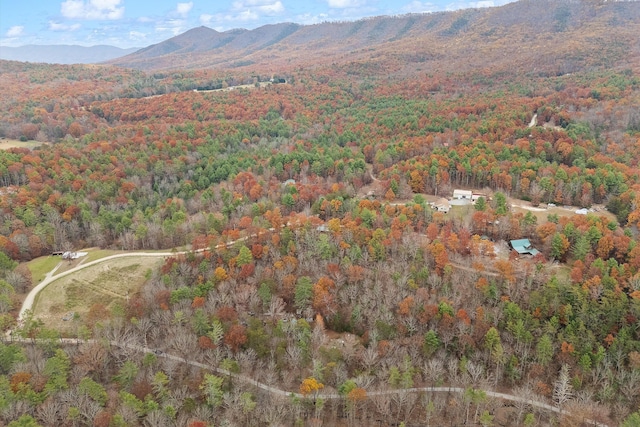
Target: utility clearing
6, 143
65, 303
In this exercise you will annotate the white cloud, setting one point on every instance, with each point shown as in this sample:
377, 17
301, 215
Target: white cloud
54, 26
244, 11
258, 7
206, 19
486, 3
476, 4
419, 7
309, 19
343, 4
174, 26
15, 31
137, 36
92, 9
183, 9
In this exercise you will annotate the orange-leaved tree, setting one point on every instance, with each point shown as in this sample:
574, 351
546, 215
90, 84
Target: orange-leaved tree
310, 385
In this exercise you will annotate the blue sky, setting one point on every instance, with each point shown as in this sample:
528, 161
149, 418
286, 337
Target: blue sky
139, 23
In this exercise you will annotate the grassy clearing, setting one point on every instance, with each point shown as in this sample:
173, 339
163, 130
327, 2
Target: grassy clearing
39, 267
227, 89
92, 255
542, 215
461, 212
109, 284
5, 144
68, 264
562, 273
95, 254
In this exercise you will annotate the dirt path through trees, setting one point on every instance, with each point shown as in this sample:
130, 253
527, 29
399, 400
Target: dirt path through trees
325, 396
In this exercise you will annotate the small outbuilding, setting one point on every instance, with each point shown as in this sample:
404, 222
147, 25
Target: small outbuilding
476, 196
442, 205
70, 255
523, 247
462, 194
322, 228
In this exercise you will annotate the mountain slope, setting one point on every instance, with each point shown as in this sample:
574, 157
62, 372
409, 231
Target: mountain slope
548, 36
63, 54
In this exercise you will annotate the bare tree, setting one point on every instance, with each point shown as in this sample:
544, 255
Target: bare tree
144, 325
294, 356
277, 307
562, 387
475, 372
369, 357
20, 282
247, 359
184, 343
269, 375
275, 413
50, 412
526, 394
433, 370
128, 415
629, 384
452, 369
157, 418
15, 410
88, 407
382, 403
91, 357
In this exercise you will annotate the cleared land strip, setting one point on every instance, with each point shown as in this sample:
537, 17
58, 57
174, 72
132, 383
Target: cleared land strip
325, 396
30, 299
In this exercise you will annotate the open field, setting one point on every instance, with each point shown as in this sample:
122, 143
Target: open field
39, 267
95, 254
107, 283
542, 213
226, 89
5, 144
92, 255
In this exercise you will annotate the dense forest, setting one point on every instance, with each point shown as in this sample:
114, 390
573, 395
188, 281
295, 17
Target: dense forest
313, 262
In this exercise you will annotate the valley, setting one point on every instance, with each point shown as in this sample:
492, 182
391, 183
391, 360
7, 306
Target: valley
426, 219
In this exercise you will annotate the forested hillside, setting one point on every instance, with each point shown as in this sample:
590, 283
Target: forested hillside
318, 285
532, 36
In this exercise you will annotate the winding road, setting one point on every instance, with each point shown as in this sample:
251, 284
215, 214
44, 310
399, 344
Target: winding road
51, 277
325, 396
27, 304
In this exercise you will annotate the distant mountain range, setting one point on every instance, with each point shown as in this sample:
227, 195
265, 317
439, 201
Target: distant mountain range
539, 36
63, 54
550, 36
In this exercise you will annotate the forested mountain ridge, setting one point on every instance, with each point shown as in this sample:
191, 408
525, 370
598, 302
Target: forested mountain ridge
532, 35
305, 253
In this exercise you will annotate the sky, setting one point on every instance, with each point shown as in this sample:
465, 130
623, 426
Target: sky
139, 23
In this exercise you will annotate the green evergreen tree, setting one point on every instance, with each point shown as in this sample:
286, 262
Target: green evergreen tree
581, 247
544, 350
244, 256
303, 292
501, 204
431, 343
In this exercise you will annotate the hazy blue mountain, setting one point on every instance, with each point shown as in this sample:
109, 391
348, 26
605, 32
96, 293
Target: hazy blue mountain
63, 54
